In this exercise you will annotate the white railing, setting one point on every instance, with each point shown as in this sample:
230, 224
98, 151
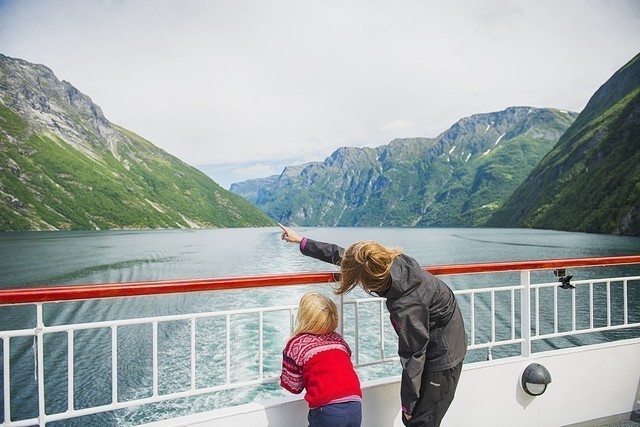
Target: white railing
70, 330
496, 317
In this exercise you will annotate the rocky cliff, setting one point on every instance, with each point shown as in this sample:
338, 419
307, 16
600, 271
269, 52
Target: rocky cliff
63, 165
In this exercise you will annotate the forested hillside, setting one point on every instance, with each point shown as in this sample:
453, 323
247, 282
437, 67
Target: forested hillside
63, 165
457, 179
591, 180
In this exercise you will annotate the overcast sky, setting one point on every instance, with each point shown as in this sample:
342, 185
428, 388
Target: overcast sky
242, 88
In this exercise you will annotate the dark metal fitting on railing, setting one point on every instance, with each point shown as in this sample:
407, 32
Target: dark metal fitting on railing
565, 280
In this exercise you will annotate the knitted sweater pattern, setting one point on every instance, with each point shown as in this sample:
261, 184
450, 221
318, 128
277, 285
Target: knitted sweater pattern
322, 365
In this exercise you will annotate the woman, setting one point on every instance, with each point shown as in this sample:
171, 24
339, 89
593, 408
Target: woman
432, 341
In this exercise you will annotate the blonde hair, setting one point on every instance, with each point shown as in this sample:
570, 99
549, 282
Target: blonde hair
317, 314
367, 263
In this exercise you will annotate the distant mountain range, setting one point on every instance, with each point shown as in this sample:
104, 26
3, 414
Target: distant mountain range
63, 165
590, 181
521, 167
459, 178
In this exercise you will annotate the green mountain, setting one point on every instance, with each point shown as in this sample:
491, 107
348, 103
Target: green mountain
457, 179
63, 165
591, 180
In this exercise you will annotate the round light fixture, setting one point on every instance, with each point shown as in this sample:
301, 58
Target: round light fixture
535, 379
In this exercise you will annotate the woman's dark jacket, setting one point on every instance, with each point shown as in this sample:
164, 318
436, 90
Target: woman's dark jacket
424, 314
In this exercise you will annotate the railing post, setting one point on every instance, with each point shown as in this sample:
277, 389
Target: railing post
6, 366
154, 357
261, 345
40, 363
114, 364
193, 353
70, 371
382, 329
525, 312
341, 316
356, 330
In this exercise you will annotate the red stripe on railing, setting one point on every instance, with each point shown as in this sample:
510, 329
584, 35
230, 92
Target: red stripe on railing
78, 292
532, 265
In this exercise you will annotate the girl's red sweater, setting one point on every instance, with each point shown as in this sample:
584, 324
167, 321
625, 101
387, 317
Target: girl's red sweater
321, 364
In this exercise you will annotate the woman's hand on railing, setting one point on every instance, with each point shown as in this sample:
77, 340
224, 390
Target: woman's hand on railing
289, 235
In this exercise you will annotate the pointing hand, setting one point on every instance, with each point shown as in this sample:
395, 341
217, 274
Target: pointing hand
289, 235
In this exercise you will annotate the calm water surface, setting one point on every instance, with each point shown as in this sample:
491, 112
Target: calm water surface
49, 258
69, 258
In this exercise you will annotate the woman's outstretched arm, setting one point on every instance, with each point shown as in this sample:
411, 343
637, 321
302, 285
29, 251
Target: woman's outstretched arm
327, 252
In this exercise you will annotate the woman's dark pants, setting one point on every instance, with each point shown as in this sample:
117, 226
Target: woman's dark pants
436, 394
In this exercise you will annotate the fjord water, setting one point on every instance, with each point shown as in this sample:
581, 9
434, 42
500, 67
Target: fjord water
70, 258
82, 257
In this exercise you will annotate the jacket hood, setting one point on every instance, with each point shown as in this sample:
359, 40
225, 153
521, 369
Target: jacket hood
405, 277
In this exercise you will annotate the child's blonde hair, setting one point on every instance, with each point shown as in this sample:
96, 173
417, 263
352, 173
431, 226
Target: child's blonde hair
367, 263
317, 314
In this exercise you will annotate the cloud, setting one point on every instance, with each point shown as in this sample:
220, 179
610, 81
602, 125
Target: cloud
218, 82
229, 173
398, 125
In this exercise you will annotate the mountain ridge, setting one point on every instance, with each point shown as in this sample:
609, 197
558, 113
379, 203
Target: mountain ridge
63, 165
593, 169
458, 178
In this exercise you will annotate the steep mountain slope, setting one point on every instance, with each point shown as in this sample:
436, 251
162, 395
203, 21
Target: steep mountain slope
63, 165
591, 180
456, 179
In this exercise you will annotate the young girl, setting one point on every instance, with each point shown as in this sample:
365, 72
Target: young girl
318, 359
424, 312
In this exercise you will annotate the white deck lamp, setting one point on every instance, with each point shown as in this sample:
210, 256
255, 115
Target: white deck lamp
535, 379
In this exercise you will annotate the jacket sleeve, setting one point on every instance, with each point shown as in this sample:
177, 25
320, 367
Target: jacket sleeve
327, 252
411, 325
291, 377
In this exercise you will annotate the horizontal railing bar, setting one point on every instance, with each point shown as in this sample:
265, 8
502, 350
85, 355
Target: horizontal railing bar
542, 285
78, 292
580, 282
21, 423
142, 321
493, 344
363, 300
489, 344
376, 362
18, 333
488, 290
585, 331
